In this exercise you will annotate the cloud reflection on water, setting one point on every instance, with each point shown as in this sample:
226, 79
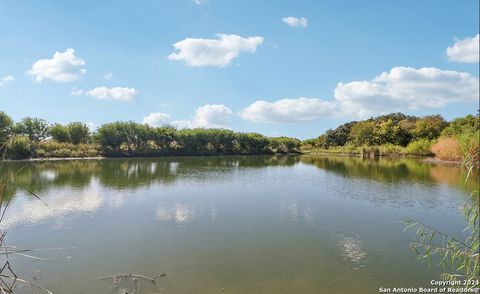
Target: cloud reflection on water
179, 213
351, 251
28, 211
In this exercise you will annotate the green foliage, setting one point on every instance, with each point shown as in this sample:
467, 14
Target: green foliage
164, 136
251, 143
284, 144
466, 131
19, 147
387, 132
337, 137
391, 129
139, 139
59, 133
420, 147
391, 149
6, 124
35, 128
429, 127
461, 125
362, 133
78, 132
64, 149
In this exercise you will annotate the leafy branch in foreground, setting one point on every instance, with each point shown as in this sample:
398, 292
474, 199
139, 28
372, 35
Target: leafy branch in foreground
459, 258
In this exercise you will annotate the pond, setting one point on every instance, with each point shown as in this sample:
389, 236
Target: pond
256, 224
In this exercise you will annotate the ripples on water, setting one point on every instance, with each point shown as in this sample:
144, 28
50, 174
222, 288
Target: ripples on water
241, 224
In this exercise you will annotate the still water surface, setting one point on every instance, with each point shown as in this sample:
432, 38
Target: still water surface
231, 224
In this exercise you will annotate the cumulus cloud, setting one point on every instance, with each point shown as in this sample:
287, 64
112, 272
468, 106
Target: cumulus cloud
295, 22
466, 50
400, 89
288, 110
208, 116
213, 52
63, 67
406, 88
156, 119
116, 93
6, 79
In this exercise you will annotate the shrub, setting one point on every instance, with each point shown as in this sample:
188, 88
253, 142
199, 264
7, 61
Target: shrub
57, 149
391, 149
19, 147
470, 144
420, 147
447, 148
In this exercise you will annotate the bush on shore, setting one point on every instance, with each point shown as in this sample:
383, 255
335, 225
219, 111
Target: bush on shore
421, 147
19, 147
447, 148
57, 150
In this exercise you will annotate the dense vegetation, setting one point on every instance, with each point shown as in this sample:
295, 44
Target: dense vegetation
33, 137
392, 134
397, 133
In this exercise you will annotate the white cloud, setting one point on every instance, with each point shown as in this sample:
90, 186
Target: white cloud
76, 91
6, 79
288, 110
108, 76
198, 2
295, 22
466, 50
207, 116
64, 67
213, 52
400, 89
406, 88
116, 93
156, 119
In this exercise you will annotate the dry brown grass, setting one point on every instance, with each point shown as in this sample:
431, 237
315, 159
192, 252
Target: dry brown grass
447, 148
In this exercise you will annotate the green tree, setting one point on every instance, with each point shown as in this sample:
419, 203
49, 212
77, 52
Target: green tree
111, 136
461, 125
388, 132
250, 143
362, 133
284, 144
78, 133
164, 136
6, 124
19, 147
59, 133
429, 127
35, 128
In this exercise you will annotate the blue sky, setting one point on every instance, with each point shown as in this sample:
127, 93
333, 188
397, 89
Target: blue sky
265, 73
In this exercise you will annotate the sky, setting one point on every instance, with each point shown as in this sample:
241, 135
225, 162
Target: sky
293, 68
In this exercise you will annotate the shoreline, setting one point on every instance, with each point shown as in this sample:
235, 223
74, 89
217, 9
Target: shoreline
36, 159
425, 159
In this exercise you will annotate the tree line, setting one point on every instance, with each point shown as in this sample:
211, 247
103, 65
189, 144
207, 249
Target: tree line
397, 132
34, 137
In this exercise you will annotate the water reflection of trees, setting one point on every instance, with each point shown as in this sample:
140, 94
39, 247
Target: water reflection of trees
130, 173
394, 170
133, 173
